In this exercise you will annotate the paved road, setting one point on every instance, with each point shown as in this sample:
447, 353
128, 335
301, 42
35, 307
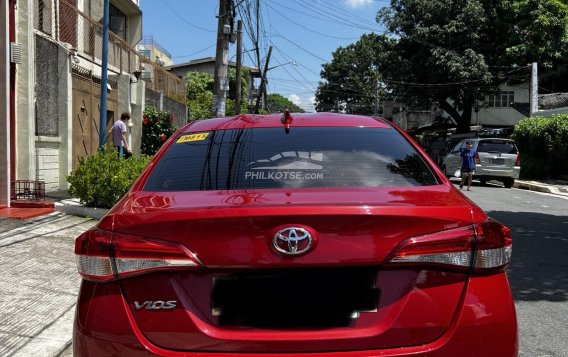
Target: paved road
539, 270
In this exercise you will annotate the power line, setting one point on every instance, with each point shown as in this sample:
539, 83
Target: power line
184, 20
194, 53
310, 30
300, 47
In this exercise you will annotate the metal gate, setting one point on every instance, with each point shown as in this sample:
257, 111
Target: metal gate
86, 112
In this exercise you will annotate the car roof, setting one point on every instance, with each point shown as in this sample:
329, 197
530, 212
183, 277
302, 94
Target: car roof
487, 139
298, 120
495, 139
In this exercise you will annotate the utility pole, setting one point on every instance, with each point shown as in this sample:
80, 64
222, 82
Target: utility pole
533, 100
221, 84
376, 91
104, 76
263, 81
239, 66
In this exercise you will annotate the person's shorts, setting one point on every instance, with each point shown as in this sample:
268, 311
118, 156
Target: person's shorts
467, 172
125, 154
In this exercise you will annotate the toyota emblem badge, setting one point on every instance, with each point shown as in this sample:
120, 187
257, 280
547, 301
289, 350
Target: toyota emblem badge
292, 241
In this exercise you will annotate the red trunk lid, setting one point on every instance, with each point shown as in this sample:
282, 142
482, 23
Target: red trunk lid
248, 297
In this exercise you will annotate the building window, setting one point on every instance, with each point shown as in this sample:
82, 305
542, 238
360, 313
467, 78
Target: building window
117, 23
501, 99
146, 53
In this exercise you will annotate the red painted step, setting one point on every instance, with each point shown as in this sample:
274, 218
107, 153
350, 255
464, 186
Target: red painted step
24, 213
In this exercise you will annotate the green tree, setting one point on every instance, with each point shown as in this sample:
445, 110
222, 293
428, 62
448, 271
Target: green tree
277, 103
450, 52
199, 87
351, 78
458, 51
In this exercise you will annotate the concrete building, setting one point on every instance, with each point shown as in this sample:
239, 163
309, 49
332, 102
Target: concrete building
152, 50
207, 65
52, 117
505, 108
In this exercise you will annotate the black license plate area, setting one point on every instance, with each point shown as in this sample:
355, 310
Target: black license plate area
497, 161
294, 299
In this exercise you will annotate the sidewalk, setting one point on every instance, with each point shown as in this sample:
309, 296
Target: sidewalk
39, 283
556, 187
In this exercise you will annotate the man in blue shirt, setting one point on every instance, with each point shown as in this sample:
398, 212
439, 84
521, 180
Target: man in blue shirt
468, 165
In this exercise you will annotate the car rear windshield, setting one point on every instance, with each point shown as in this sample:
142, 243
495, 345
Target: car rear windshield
503, 147
304, 158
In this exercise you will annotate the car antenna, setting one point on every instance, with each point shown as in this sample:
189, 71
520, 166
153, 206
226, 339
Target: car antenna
286, 119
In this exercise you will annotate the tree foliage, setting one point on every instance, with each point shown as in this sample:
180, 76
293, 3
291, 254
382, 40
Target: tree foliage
543, 143
199, 87
351, 78
102, 179
277, 103
157, 127
450, 52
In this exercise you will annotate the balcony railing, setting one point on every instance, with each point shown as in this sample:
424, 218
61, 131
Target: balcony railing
63, 22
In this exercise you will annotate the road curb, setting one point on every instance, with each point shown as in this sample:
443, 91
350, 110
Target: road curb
526, 185
73, 207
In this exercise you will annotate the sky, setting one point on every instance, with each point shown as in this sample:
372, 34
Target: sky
303, 33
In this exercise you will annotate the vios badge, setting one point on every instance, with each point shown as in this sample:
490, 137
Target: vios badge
292, 241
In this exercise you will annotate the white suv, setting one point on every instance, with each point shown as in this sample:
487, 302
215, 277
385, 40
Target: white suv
495, 159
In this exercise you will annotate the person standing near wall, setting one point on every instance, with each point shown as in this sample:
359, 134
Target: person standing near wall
118, 132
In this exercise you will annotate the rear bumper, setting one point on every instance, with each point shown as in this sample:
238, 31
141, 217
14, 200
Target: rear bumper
498, 174
485, 326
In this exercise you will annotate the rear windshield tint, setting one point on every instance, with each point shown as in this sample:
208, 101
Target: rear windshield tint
503, 147
304, 158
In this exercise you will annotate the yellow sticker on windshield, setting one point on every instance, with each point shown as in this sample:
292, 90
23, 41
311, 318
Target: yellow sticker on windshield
192, 137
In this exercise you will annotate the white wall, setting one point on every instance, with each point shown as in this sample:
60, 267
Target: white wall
4, 106
505, 116
25, 92
47, 156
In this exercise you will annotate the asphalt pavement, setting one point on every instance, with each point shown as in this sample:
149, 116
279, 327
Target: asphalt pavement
39, 284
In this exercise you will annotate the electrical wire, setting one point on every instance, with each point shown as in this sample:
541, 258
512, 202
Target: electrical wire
194, 53
184, 20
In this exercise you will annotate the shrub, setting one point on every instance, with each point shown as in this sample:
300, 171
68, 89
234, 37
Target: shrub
543, 143
157, 127
102, 179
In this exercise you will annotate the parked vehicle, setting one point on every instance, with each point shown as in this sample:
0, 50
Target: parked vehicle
495, 159
320, 234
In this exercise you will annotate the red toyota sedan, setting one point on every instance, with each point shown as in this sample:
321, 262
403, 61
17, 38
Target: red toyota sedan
294, 235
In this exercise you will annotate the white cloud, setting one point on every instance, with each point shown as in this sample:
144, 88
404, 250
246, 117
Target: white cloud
306, 104
356, 4
295, 99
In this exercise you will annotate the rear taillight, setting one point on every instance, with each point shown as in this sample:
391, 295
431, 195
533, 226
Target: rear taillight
485, 247
476, 158
93, 253
494, 245
102, 256
518, 161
